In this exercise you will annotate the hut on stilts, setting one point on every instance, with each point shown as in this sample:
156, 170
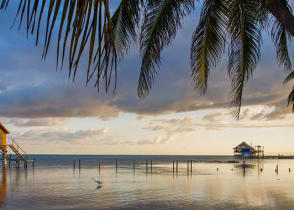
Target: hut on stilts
244, 150
20, 154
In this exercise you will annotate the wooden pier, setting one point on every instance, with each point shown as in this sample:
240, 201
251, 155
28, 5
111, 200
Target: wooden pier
146, 166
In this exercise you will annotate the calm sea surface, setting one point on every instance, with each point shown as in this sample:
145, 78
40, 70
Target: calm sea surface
54, 184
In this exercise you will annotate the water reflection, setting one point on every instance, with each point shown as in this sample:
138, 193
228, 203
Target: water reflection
62, 188
3, 187
249, 168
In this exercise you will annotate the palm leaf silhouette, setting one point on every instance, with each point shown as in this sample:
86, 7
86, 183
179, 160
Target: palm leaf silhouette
208, 42
161, 21
244, 50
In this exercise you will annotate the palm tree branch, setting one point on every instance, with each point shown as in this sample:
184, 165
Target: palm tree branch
161, 20
124, 22
208, 42
244, 53
281, 38
82, 23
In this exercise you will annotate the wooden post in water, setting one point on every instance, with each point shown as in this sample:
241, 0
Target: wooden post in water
74, 164
116, 165
151, 166
177, 166
187, 166
79, 164
134, 165
99, 166
191, 165
173, 166
146, 165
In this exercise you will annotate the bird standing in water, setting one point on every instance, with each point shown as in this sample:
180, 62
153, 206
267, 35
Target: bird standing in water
97, 181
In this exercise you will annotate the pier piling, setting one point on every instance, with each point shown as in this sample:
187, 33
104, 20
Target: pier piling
74, 164
173, 166
151, 166
134, 165
177, 166
116, 165
79, 164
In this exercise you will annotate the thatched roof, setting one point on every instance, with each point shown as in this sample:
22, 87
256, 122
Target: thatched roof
3, 128
244, 145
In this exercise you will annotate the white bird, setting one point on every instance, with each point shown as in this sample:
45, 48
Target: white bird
97, 181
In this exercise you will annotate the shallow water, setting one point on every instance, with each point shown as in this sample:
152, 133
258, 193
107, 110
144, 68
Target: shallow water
54, 184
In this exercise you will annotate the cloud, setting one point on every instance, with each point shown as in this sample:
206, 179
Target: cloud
157, 140
213, 117
59, 101
171, 127
60, 135
179, 127
36, 122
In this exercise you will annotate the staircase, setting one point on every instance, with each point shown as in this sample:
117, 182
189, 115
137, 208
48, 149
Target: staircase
20, 153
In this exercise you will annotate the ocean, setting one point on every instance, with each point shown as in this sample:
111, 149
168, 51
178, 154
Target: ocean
211, 183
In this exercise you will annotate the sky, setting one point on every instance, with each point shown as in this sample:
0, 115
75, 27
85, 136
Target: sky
47, 113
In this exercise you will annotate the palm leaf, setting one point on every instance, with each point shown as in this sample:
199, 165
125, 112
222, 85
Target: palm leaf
161, 20
281, 38
208, 42
245, 31
291, 99
289, 77
82, 22
124, 22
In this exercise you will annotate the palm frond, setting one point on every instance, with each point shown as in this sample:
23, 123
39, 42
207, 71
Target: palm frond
291, 99
281, 38
289, 77
161, 20
124, 22
82, 22
244, 52
208, 42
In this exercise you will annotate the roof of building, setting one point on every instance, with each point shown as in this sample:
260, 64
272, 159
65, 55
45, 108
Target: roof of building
244, 144
3, 128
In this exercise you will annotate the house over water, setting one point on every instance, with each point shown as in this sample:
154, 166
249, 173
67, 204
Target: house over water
244, 150
21, 155
3, 132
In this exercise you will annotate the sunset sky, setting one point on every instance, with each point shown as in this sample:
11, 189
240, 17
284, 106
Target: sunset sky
48, 114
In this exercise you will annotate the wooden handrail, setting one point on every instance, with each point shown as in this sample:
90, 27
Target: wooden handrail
20, 149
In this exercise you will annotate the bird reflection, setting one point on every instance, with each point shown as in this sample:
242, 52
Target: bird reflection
98, 187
